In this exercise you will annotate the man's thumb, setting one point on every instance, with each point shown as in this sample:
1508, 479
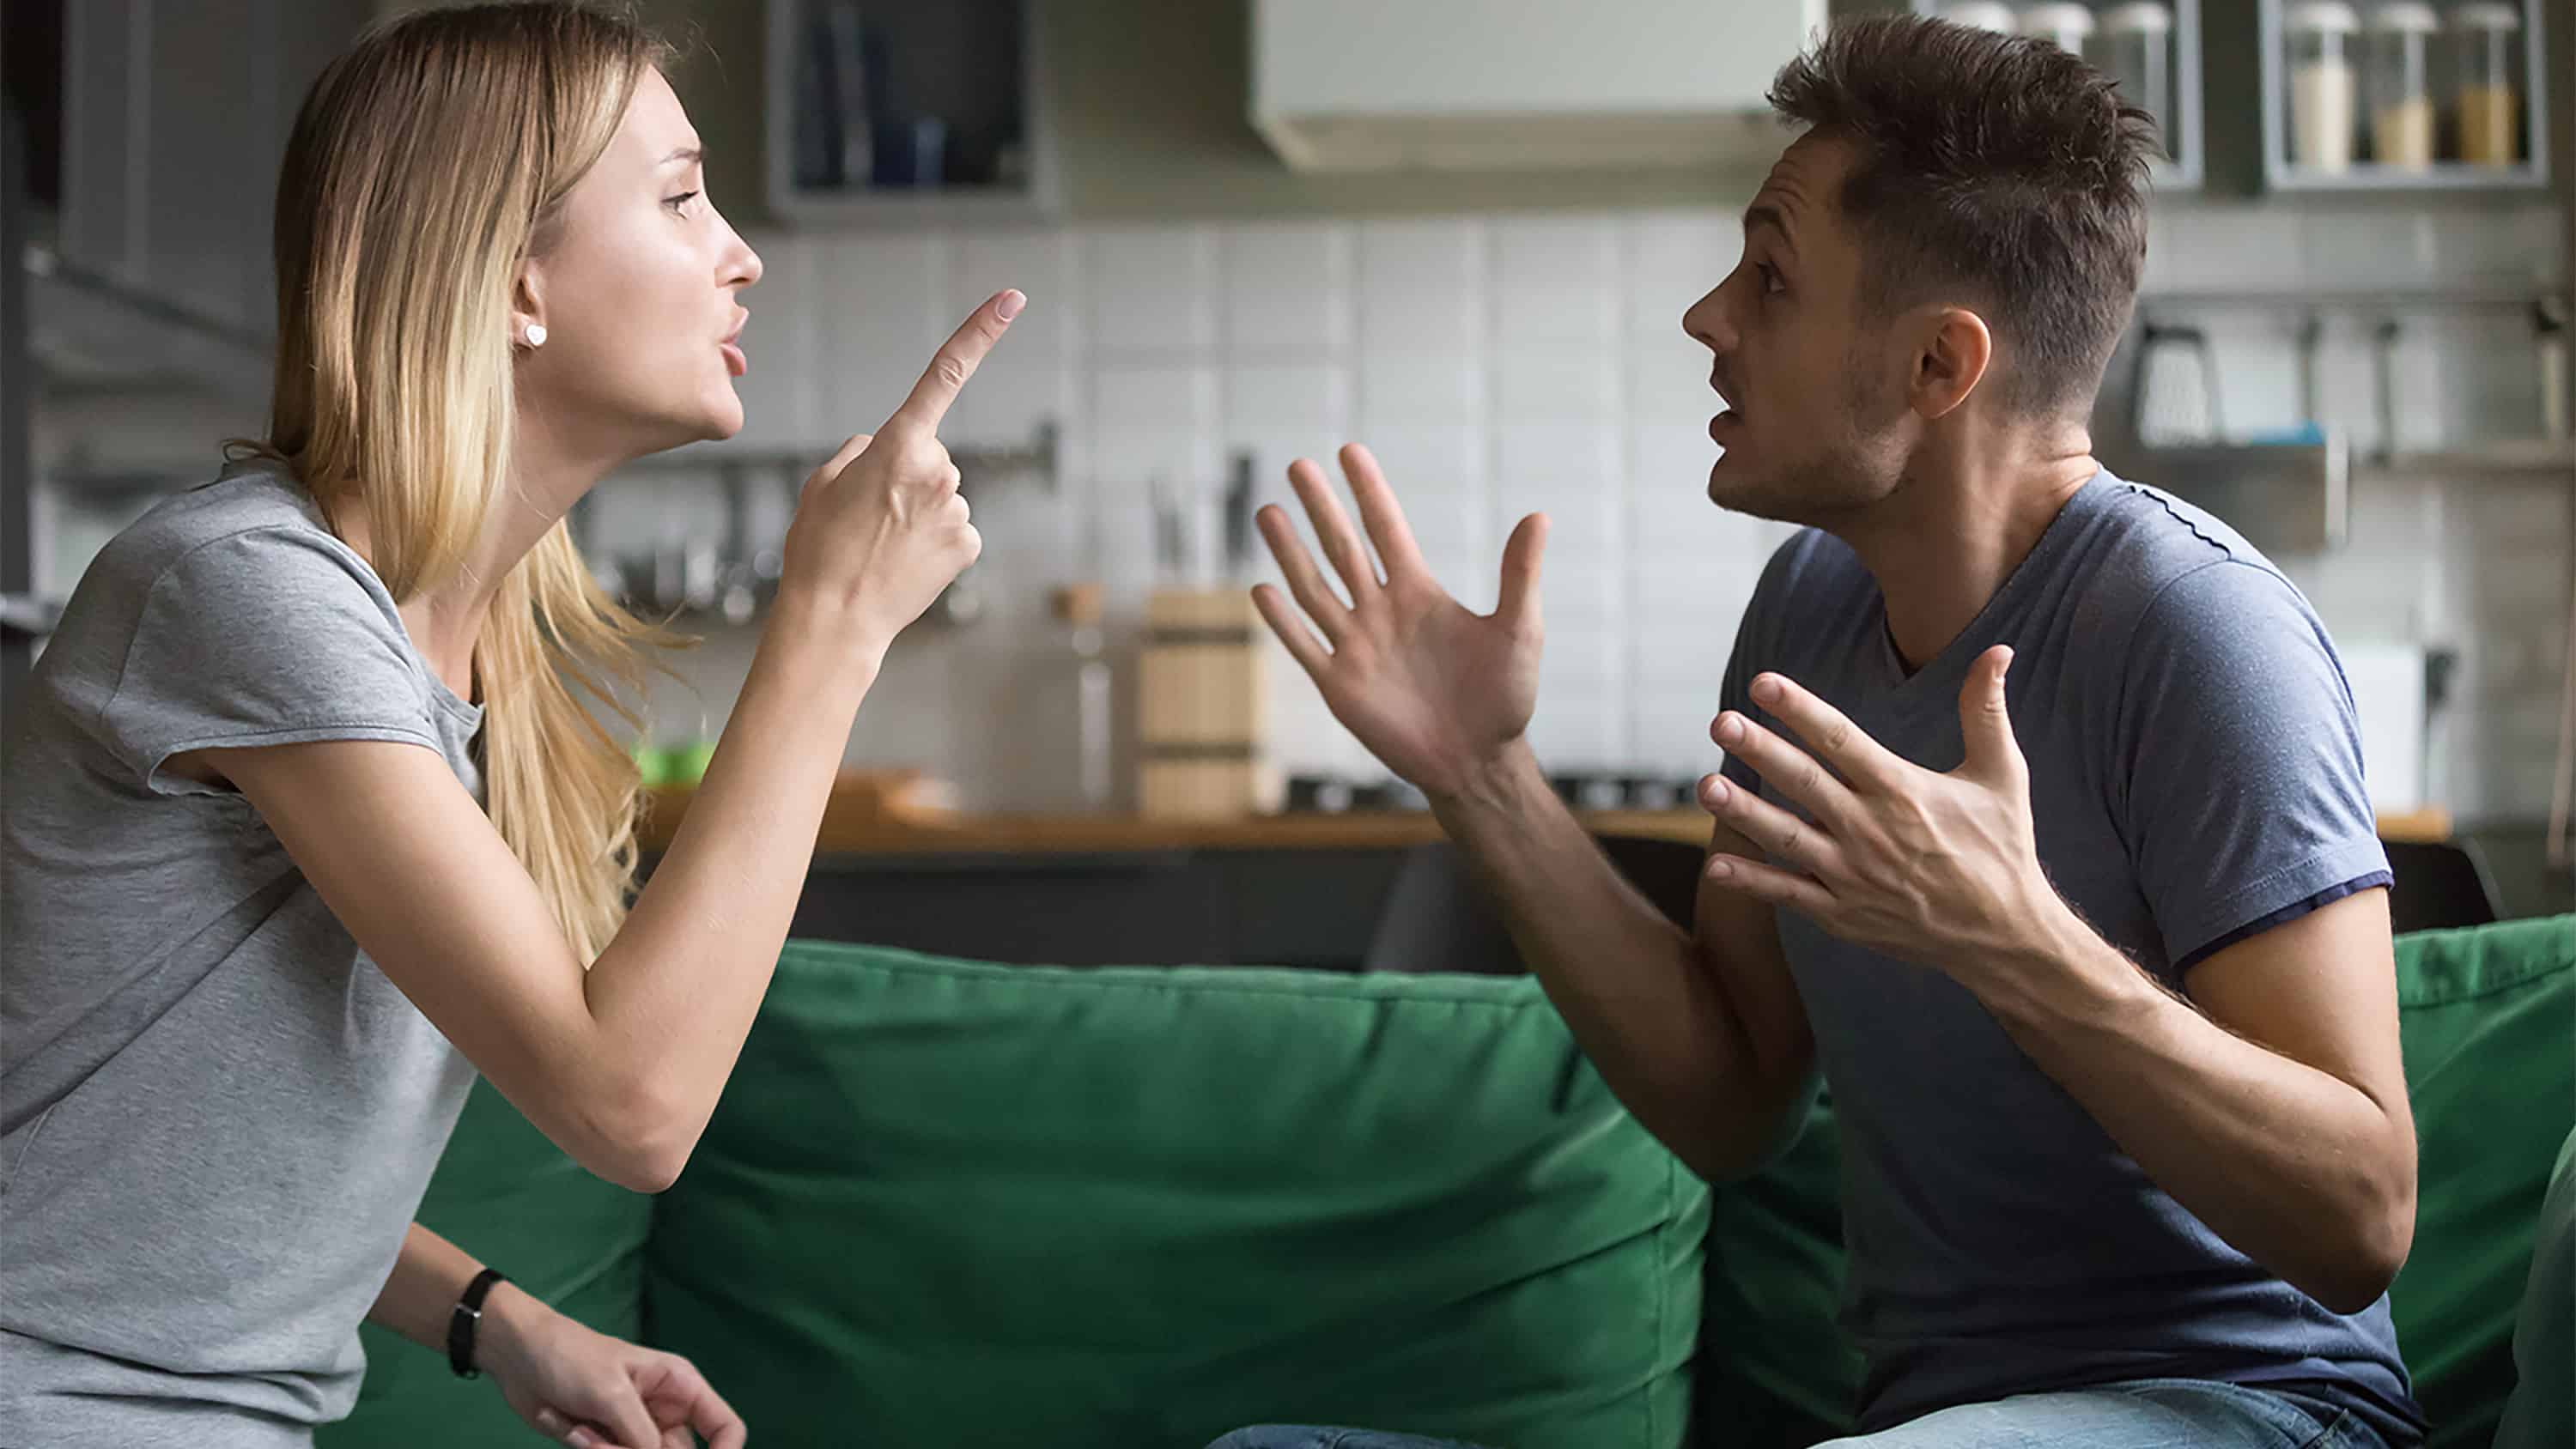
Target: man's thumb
1985, 722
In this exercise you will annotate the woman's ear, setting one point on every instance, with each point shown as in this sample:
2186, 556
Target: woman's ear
527, 309
1951, 359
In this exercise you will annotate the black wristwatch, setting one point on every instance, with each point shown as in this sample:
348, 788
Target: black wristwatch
461, 1323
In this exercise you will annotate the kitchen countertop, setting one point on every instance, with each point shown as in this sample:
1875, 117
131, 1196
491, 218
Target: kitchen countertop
853, 824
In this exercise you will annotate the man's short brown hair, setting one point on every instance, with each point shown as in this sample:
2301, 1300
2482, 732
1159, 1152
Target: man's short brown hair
1995, 168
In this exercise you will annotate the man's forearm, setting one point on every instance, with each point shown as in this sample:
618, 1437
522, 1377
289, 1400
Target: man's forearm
2295, 1168
1633, 987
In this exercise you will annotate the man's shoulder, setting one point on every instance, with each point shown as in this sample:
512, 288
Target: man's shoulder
2151, 562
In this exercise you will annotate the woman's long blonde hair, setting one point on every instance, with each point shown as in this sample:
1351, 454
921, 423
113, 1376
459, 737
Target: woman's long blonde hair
427, 164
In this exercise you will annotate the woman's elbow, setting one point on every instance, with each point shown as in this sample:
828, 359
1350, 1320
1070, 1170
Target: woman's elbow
642, 1147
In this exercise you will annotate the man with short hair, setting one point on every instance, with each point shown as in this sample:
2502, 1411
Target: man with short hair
2041, 833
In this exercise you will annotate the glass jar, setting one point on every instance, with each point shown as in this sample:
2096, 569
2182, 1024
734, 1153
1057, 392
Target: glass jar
2134, 47
1980, 15
2487, 106
2062, 23
2396, 86
2317, 38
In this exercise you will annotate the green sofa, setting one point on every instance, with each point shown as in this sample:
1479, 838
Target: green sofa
949, 1203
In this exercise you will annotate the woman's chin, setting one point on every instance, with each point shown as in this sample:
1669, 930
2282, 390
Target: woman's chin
721, 421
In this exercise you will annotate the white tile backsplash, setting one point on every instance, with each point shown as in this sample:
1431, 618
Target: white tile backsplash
1314, 396
1151, 288
1422, 285
1501, 364
1674, 259
1556, 279
1554, 382
1287, 285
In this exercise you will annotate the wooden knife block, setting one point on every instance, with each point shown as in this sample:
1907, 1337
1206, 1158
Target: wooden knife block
1201, 706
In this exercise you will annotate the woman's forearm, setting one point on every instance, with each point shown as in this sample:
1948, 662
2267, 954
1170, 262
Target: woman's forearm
675, 993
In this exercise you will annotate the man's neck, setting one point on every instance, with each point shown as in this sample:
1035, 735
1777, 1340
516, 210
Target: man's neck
1941, 546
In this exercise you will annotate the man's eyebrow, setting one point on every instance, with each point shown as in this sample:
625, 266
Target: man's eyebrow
1763, 213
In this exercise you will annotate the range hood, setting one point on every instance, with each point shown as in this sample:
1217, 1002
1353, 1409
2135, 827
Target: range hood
1466, 85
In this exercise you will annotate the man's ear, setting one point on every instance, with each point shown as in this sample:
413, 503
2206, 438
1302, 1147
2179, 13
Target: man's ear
1952, 351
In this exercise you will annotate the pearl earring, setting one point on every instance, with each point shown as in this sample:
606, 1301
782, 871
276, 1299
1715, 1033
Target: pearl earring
536, 334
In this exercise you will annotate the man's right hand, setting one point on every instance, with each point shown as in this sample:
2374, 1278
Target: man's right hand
1439, 693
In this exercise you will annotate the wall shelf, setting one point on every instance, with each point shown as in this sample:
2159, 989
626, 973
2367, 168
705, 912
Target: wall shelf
2184, 135
863, 98
2365, 175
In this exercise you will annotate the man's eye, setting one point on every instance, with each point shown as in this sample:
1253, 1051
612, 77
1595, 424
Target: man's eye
1770, 277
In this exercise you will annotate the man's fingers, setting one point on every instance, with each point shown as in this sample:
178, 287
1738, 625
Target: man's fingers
1794, 840
1302, 644
1773, 885
1333, 530
1517, 605
956, 361
1305, 581
1797, 773
1379, 512
1828, 732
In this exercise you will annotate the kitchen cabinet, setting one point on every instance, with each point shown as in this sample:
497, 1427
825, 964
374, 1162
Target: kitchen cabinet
2471, 114
2157, 46
174, 121
907, 115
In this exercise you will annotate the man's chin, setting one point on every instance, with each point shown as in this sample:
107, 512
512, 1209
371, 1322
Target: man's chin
1734, 485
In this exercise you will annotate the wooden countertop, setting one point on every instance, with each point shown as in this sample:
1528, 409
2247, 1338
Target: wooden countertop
855, 824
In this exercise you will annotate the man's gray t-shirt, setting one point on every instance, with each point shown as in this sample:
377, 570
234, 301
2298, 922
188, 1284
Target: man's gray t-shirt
2195, 767
216, 1115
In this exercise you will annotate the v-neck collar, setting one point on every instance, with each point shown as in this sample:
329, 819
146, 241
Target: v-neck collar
1980, 635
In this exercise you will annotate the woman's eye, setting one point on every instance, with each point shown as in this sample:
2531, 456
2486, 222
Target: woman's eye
680, 203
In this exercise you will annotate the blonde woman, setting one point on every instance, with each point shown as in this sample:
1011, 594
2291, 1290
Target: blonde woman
308, 821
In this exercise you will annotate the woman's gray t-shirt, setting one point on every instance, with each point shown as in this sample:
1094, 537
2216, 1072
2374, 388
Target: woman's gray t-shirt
216, 1115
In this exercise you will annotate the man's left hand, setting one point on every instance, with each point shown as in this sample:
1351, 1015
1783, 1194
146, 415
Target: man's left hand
1941, 869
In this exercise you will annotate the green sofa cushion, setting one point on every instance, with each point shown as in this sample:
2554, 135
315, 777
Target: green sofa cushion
960, 1204
513, 1199
2490, 1036
1776, 1369
2488, 1020
2542, 1412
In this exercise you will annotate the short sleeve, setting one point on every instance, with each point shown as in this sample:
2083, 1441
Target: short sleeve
267, 636
2243, 802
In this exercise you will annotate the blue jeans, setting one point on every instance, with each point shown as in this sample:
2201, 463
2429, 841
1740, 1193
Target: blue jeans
2147, 1414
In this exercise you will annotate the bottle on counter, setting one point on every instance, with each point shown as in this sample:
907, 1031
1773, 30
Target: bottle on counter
2488, 104
2318, 37
2397, 88
2062, 23
2134, 46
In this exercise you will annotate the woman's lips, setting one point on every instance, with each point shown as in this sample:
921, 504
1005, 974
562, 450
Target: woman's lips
735, 362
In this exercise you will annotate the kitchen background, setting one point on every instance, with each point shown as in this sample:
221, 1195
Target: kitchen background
1506, 340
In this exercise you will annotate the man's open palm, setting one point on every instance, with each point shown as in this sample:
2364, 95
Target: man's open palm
1434, 689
